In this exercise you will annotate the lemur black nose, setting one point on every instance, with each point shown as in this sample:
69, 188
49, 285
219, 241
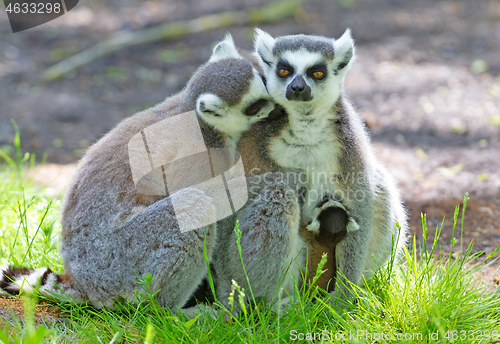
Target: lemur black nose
298, 84
298, 90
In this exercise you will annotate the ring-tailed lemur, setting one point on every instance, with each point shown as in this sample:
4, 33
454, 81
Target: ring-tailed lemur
112, 234
324, 136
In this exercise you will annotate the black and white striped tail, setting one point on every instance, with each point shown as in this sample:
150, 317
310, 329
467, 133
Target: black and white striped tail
14, 281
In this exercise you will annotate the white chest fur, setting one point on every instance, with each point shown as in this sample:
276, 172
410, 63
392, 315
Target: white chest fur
310, 144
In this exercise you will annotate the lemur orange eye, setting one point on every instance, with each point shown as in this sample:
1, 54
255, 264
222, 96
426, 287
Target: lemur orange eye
284, 72
318, 74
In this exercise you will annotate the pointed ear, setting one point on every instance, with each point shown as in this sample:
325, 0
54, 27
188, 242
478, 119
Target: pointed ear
225, 49
263, 45
344, 50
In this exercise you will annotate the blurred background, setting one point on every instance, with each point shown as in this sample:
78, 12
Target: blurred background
426, 82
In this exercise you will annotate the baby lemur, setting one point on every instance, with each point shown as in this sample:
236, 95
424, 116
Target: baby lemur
113, 232
349, 193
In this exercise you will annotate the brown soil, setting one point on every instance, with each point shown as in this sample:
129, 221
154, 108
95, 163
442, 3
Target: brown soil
12, 310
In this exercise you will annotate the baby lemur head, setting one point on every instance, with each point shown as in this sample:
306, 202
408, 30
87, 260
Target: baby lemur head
228, 93
304, 73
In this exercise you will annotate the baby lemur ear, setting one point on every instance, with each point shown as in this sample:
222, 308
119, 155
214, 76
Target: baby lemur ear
225, 49
344, 50
209, 104
263, 45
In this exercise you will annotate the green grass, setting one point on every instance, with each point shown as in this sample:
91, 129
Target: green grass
426, 297
28, 231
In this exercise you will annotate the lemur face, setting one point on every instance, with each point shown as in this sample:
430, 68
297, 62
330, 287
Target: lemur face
255, 105
304, 71
234, 95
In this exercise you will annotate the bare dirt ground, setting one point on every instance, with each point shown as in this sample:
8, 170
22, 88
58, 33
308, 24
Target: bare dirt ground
426, 81
12, 309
